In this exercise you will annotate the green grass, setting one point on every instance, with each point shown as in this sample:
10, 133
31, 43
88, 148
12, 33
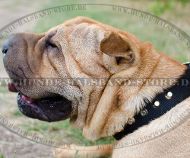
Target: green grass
3, 89
59, 130
17, 113
56, 131
1, 156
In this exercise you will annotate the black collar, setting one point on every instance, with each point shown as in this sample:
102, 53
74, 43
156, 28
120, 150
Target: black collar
162, 103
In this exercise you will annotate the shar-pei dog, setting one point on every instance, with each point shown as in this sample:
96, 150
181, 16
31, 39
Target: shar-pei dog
110, 84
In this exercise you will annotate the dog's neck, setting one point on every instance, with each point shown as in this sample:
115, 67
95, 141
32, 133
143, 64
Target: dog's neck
145, 106
165, 125
125, 101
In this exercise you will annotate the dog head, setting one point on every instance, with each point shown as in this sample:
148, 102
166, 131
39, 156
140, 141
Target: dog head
60, 65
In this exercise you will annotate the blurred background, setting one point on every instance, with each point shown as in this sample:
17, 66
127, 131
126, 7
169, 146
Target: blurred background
175, 11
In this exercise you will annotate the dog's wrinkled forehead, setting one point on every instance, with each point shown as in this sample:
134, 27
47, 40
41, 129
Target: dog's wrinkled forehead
80, 43
83, 36
87, 35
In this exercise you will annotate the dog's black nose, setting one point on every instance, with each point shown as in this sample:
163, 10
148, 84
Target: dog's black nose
4, 50
5, 47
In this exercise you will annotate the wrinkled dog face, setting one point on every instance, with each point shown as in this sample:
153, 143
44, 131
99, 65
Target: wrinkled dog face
79, 48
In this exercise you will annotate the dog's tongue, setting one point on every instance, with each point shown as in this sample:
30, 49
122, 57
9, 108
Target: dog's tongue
12, 88
27, 99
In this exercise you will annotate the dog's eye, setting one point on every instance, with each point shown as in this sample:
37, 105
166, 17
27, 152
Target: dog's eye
49, 44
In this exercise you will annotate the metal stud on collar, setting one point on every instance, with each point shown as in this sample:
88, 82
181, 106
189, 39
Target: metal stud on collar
156, 104
144, 112
169, 95
131, 121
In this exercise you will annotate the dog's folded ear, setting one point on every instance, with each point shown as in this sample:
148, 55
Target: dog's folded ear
120, 50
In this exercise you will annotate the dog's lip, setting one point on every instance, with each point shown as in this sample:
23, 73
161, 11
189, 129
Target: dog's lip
49, 109
55, 108
25, 98
25, 102
12, 87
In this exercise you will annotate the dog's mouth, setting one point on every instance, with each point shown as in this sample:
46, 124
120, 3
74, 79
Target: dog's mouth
49, 109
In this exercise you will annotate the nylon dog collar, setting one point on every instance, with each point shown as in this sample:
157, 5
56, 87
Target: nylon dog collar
162, 103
